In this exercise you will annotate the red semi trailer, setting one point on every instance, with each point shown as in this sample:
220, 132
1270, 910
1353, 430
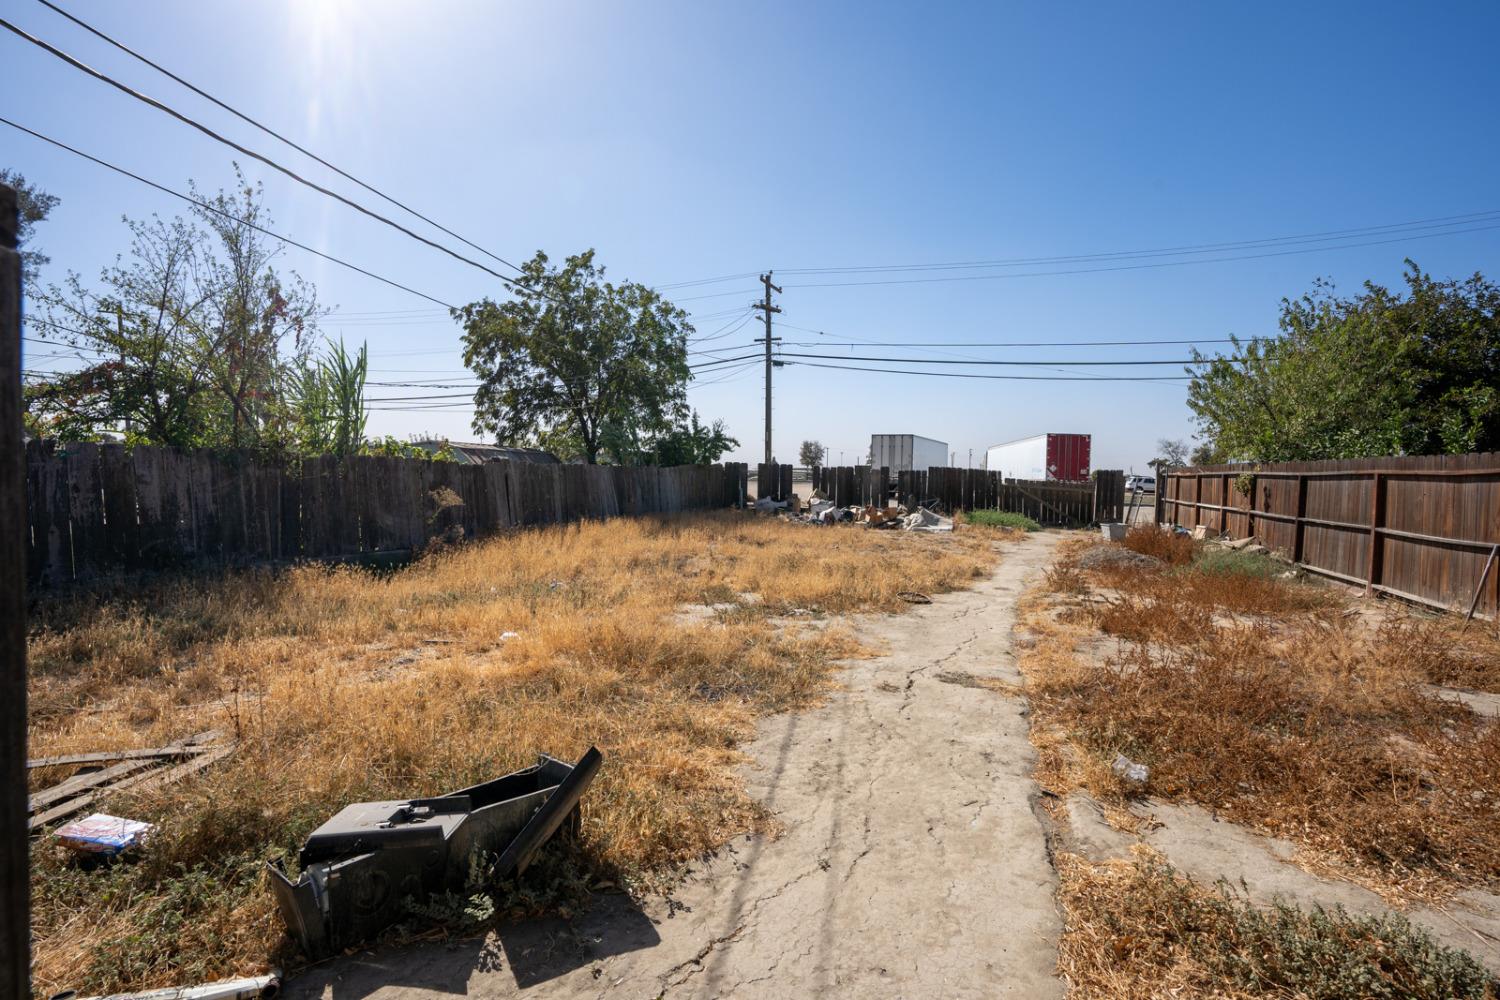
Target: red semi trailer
1045, 456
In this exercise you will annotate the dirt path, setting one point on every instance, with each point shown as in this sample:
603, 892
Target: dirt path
912, 864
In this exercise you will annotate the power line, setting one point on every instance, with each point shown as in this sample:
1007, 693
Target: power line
1325, 236
844, 341
716, 295
1013, 378
721, 361
953, 361
698, 281
1140, 267
725, 330
268, 131
208, 207
153, 102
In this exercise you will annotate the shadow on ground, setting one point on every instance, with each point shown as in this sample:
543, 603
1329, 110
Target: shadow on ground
533, 952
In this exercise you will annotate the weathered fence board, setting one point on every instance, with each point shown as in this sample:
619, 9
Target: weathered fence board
1420, 527
93, 510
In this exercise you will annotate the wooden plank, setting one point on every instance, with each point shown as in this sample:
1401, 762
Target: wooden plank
80, 783
104, 756
153, 778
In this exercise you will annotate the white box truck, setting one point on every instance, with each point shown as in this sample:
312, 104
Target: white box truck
905, 452
1046, 456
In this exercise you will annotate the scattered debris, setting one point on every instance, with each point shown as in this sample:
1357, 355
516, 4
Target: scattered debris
508, 636
103, 834
1135, 773
765, 505
231, 989
1114, 532
359, 868
912, 597
923, 519
881, 517
136, 769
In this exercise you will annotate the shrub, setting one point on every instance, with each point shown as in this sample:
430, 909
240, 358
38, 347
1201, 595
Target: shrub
1002, 519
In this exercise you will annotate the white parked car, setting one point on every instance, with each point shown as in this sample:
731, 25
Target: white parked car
1144, 484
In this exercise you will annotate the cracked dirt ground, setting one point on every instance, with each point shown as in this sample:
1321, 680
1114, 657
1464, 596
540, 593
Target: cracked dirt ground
912, 862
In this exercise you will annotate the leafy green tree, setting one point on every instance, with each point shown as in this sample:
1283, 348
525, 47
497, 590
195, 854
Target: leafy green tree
191, 339
574, 355
258, 325
810, 454
1205, 453
1377, 374
34, 205
144, 369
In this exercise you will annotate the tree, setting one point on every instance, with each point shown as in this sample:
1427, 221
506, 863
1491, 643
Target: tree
192, 339
685, 442
1205, 453
576, 355
1377, 374
1171, 454
810, 454
692, 443
34, 205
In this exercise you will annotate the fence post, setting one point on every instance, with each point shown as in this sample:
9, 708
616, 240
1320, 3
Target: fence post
15, 875
1298, 526
1377, 512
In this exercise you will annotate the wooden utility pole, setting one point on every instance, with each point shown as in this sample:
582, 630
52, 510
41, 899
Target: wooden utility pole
15, 875
768, 309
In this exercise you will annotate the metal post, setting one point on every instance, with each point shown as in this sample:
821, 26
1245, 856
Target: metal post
15, 878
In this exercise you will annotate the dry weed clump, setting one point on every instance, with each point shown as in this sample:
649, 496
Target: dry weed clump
1168, 546
1137, 930
1449, 651
341, 685
1291, 719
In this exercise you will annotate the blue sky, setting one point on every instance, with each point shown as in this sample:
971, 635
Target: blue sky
692, 140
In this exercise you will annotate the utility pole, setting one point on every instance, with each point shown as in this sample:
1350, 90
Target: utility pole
15, 874
767, 308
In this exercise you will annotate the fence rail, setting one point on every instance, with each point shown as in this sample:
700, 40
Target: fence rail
1423, 528
94, 510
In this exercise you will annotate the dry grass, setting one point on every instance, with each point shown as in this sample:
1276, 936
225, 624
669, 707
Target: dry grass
1138, 930
1257, 698
327, 679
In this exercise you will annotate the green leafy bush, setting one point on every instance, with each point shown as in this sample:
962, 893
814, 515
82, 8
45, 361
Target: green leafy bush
1002, 519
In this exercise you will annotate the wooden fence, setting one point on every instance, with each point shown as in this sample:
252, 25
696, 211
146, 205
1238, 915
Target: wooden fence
1422, 528
853, 485
1047, 502
99, 509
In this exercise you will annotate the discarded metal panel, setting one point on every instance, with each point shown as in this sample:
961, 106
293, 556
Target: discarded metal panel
360, 867
234, 989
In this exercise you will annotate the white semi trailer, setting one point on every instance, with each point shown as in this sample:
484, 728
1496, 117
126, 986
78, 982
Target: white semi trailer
905, 452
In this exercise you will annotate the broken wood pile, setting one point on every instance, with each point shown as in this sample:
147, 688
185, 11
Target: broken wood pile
109, 771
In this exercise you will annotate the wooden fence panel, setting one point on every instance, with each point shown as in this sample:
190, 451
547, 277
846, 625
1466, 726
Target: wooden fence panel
93, 510
1419, 527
